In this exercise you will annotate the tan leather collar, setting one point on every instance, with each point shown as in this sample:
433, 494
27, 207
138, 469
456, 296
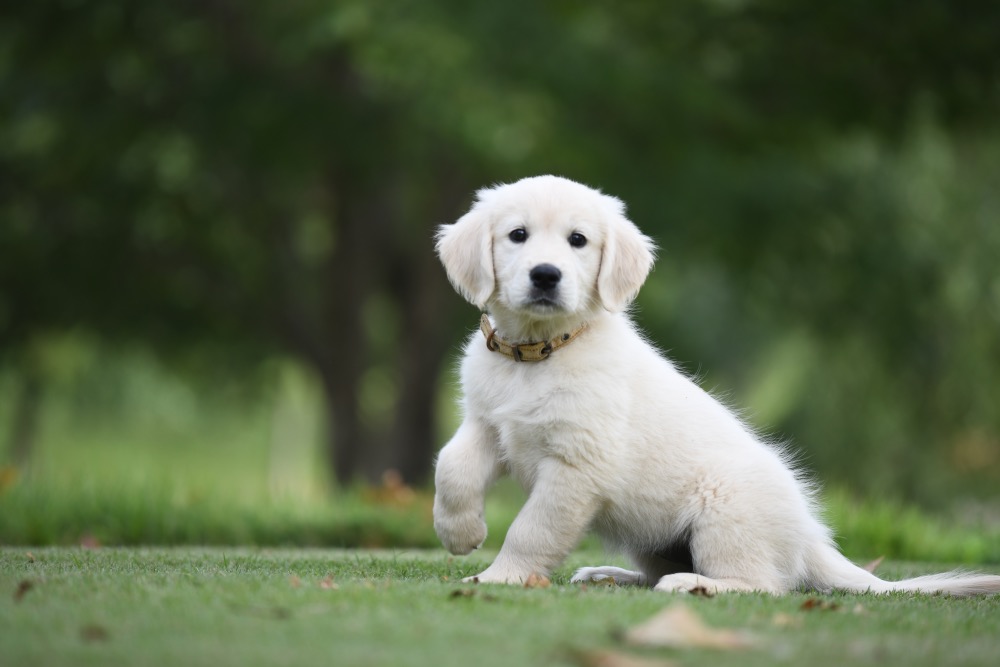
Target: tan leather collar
524, 351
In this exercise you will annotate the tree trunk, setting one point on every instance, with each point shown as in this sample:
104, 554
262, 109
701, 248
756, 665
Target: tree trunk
422, 348
24, 424
343, 428
427, 304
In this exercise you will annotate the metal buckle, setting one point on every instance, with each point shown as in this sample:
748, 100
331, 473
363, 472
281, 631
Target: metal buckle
489, 341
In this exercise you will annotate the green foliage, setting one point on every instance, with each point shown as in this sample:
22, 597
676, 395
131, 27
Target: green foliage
34, 513
38, 514
875, 529
235, 181
133, 452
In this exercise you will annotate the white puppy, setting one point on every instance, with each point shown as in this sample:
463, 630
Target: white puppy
562, 393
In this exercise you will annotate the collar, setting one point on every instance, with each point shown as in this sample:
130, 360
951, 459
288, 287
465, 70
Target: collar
539, 351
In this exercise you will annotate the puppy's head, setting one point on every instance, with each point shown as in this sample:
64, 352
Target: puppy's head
545, 247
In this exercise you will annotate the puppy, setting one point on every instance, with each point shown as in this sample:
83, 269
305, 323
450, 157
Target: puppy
563, 393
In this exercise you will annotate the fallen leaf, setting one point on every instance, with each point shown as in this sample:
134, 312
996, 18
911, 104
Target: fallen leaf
701, 592
8, 476
537, 581
815, 604
94, 633
328, 584
871, 567
393, 491
605, 582
22, 589
679, 627
472, 593
88, 541
786, 620
598, 658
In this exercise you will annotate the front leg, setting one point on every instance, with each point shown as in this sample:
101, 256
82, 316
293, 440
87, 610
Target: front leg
558, 511
466, 468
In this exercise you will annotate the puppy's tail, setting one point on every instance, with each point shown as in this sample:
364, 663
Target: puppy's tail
832, 570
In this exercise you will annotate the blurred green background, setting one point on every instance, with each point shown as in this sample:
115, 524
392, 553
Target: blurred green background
218, 291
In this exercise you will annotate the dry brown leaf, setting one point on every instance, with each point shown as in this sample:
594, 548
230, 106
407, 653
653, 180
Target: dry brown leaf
597, 658
606, 582
471, 593
679, 627
815, 604
328, 584
22, 589
94, 633
786, 620
392, 492
88, 541
537, 581
8, 476
872, 566
701, 592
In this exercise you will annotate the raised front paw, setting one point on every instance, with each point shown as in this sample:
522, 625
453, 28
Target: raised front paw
460, 533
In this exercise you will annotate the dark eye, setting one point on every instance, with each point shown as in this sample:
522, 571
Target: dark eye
577, 240
519, 235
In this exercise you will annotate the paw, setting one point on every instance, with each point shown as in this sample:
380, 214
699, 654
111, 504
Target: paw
618, 575
687, 582
460, 533
495, 574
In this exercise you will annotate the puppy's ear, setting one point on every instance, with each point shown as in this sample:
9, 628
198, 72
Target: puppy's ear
466, 251
626, 259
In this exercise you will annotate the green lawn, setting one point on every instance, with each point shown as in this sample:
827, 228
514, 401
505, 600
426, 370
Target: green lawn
165, 469
197, 606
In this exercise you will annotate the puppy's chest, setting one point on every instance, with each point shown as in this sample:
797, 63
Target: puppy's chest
536, 416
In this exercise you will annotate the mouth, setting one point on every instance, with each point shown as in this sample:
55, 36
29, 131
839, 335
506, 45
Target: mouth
544, 302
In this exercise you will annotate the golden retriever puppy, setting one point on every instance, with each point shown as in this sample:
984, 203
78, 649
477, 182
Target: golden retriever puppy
603, 432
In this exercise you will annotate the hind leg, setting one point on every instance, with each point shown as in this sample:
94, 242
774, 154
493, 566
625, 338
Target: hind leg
649, 569
735, 556
689, 582
620, 576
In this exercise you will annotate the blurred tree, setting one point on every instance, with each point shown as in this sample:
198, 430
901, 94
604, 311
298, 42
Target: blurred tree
197, 173
263, 178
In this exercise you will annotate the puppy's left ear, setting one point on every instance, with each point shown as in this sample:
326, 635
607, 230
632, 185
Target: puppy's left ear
466, 251
626, 259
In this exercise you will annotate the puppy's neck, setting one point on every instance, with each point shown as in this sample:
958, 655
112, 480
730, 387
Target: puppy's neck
521, 327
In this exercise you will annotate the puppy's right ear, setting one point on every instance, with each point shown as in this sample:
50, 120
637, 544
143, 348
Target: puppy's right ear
466, 251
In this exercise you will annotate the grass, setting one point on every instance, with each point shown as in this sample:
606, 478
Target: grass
129, 452
51, 511
199, 606
153, 463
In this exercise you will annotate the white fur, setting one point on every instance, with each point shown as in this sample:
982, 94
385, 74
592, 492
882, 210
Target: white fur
606, 434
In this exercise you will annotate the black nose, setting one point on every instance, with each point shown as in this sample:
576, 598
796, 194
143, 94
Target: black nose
545, 276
